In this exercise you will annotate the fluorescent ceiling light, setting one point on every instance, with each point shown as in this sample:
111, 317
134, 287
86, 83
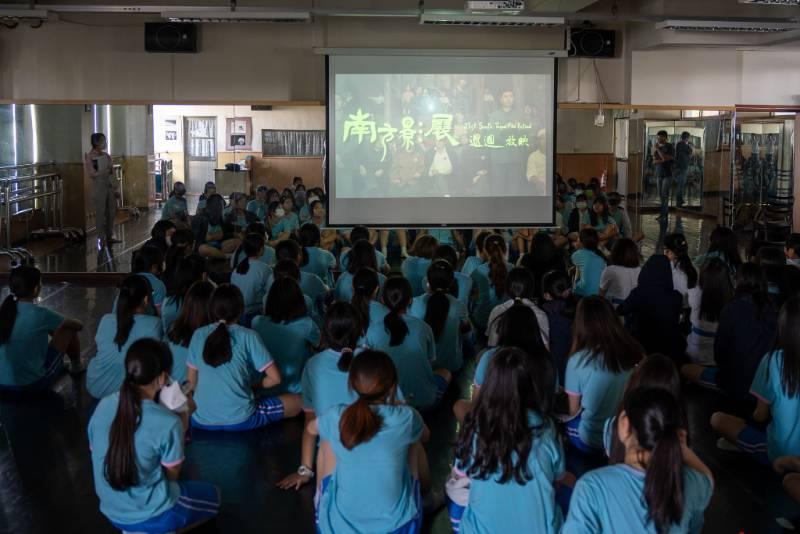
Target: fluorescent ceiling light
772, 2
726, 26
446, 19
18, 15
216, 15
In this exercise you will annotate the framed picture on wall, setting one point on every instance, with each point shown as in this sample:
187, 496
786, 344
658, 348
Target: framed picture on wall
239, 134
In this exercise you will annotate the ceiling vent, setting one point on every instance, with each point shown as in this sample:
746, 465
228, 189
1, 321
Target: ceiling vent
772, 2
509, 7
725, 26
490, 20
241, 16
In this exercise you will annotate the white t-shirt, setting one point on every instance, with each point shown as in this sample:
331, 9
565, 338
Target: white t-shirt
617, 282
492, 330
441, 164
680, 283
700, 341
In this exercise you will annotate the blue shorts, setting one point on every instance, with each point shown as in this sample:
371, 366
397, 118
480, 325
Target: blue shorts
198, 502
573, 434
441, 387
414, 526
754, 442
708, 378
52, 368
268, 410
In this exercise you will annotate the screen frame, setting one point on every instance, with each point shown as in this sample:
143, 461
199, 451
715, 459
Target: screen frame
465, 53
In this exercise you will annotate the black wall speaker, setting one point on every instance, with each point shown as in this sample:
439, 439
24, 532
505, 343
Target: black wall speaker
591, 43
170, 37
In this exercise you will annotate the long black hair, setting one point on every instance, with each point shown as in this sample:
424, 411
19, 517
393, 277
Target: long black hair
285, 301
519, 327
440, 282
590, 240
133, 292
520, 285
193, 314
360, 256
788, 340
598, 333
341, 332
497, 434
495, 248
145, 361
715, 281
215, 209
22, 284
182, 245
310, 237
750, 280
724, 242
397, 297
189, 270
146, 258
678, 245
365, 285
226, 306
655, 418
252, 246
594, 218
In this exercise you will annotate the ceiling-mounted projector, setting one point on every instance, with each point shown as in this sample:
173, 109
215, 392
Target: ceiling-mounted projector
511, 7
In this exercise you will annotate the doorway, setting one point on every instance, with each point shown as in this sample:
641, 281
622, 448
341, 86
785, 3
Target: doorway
200, 149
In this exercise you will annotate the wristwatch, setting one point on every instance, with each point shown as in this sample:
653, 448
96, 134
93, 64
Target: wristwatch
305, 471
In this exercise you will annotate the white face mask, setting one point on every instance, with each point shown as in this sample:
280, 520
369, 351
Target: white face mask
581, 205
172, 397
279, 212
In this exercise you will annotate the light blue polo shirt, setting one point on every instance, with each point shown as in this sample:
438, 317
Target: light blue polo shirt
380, 259
180, 355
158, 294
600, 226
449, 354
487, 297
291, 345
323, 384
377, 469
224, 394
259, 209
268, 257
600, 391
590, 268
415, 269
106, 370
611, 499
289, 223
310, 285
253, 284
23, 356
158, 443
470, 264
174, 207
414, 359
320, 263
464, 283
783, 431
170, 311
344, 286
513, 507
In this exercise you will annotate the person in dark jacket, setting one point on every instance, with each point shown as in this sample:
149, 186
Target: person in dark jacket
653, 310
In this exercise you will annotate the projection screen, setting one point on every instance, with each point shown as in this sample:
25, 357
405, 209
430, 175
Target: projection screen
426, 140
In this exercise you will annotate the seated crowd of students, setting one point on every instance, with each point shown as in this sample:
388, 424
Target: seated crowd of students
578, 347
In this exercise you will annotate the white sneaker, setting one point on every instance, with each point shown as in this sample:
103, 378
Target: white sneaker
403, 252
725, 445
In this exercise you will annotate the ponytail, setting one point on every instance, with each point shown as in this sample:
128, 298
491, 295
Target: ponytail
145, 361
373, 377
341, 332
655, 417
22, 284
678, 245
132, 293
365, 283
226, 306
397, 297
440, 280
252, 245
345, 359
495, 247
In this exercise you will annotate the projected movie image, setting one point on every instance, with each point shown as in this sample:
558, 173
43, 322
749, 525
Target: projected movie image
442, 135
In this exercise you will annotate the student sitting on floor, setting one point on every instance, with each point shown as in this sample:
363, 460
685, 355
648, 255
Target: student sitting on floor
223, 359
706, 300
214, 238
149, 262
117, 332
209, 189
508, 455
258, 206
472, 262
175, 208
289, 222
489, 280
603, 357
415, 266
361, 256
589, 263
411, 345
237, 215
366, 286
654, 371
445, 314
267, 257
181, 246
137, 452
600, 220
520, 288
463, 281
311, 284
357, 234
190, 270
684, 274
193, 315
324, 381
288, 332
559, 305
776, 386
621, 276
161, 236
252, 276
724, 244
544, 257
662, 486
316, 260
372, 447
33, 339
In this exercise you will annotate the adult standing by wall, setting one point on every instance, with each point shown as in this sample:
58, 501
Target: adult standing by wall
663, 156
683, 155
101, 170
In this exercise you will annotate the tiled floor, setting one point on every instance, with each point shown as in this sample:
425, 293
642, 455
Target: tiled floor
45, 475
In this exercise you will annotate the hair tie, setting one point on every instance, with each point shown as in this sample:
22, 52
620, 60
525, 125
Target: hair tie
346, 350
517, 299
222, 322
13, 297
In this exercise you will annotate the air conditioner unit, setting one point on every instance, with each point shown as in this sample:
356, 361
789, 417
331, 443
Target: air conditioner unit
511, 7
445, 19
241, 15
726, 26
